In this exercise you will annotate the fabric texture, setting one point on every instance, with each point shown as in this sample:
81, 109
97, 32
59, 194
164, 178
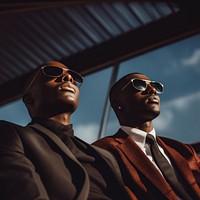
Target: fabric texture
166, 168
36, 165
141, 177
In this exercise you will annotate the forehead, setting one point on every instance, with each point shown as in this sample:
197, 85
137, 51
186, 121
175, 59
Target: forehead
132, 76
55, 64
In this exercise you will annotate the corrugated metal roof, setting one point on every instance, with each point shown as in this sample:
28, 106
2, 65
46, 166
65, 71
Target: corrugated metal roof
31, 37
84, 33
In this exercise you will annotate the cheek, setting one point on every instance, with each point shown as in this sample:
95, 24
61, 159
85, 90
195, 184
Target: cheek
134, 99
134, 103
44, 93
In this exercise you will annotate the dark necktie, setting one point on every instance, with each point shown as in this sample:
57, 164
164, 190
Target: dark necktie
166, 168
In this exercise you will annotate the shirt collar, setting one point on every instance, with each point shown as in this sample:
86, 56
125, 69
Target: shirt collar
56, 127
137, 135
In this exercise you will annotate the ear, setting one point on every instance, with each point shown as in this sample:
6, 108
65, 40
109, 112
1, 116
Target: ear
28, 99
116, 106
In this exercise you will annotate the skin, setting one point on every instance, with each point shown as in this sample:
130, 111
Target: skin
135, 108
53, 98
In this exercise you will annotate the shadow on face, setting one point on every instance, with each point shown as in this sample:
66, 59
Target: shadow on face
46, 95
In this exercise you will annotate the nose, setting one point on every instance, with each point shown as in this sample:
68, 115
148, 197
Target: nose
151, 90
67, 77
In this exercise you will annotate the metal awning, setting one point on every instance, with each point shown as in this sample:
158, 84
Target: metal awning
86, 35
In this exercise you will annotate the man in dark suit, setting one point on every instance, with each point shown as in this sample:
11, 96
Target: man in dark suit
152, 167
44, 160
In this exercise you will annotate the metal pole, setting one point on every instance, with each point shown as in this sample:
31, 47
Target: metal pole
106, 112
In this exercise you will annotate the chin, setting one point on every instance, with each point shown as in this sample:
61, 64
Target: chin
66, 105
153, 113
156, 113
70, 108
155, 110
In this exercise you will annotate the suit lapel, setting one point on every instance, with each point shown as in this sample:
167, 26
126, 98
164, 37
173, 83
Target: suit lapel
107, 157
83, 194
181, 165
136, 156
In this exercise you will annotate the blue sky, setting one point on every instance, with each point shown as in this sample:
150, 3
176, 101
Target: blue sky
177, 66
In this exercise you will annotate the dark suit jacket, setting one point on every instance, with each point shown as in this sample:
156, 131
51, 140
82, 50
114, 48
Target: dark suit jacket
142, 179
33, 165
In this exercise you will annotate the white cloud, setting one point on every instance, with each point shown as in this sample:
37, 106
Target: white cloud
173, 68
113, 127
183, 102
164, 120
192, 60
179, 105
87, 132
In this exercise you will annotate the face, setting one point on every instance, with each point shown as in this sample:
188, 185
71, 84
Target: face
137, 105
52, 96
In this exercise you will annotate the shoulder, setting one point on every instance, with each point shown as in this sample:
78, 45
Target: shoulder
9, 136
111, 141
172, 142
13, 135
185, 149
8, 127
106, 141
6, 123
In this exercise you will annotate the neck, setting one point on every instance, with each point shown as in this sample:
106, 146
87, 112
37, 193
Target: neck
63, 118
146, 126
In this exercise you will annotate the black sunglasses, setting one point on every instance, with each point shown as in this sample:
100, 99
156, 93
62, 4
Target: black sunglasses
141, 85
56, 72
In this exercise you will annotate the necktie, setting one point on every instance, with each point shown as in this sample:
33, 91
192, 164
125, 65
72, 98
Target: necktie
166, 168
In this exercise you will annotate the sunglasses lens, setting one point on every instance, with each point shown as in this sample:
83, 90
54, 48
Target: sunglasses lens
76, 76
52, 71
139, 84
158, 86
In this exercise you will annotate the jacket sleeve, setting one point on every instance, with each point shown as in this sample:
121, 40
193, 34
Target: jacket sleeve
18, 178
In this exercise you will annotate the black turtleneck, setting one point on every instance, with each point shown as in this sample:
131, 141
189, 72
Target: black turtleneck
96, 169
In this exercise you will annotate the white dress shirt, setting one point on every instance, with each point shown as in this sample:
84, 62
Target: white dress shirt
139, 137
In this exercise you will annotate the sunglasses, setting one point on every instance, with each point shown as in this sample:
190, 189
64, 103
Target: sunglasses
141, 85
56, 72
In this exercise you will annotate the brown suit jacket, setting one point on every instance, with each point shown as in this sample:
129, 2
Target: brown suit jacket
142, 179
33, 164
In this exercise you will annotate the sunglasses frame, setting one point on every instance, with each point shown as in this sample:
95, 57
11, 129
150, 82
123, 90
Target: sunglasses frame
149, 82
63, 72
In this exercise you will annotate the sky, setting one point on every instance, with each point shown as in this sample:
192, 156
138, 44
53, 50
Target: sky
177, 66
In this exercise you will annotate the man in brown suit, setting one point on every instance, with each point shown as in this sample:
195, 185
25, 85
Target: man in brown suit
44, 160
140, 153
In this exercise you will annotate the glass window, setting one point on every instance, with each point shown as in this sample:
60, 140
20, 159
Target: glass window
177, 67
87, 118
15, 112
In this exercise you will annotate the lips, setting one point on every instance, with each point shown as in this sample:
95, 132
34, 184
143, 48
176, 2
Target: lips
153, 99
66, 87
